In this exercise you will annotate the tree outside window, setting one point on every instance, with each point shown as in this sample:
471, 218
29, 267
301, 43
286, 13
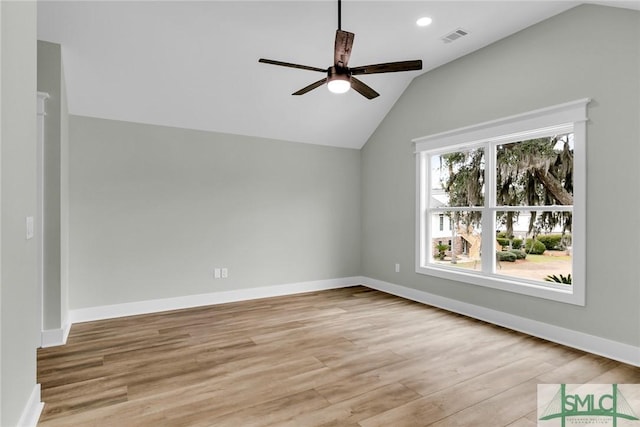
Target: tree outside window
532, 242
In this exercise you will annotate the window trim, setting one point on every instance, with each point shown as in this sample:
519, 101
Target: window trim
526, 125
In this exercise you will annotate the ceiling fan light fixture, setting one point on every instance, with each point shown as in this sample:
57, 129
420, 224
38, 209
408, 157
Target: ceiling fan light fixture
339, 85
338, 80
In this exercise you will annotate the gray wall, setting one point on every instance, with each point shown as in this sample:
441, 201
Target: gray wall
154, 209
50, 80
588, 51
19, 306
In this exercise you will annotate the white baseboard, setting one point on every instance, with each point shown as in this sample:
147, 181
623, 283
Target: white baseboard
601, 346
597, 345
32, 410
189, 301
54, 337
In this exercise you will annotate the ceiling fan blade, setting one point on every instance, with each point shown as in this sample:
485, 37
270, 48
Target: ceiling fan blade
288, 64
363, 89
311, 87
389, 67
342, 52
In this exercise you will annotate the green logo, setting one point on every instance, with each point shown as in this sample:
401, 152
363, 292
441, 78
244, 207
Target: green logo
599, 407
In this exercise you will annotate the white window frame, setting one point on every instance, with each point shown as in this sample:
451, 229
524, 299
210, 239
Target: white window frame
562, 118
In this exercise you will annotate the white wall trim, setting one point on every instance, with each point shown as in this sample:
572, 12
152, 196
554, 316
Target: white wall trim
54, 337
32, 410
189, 301
548, 117
601, 346
39, 232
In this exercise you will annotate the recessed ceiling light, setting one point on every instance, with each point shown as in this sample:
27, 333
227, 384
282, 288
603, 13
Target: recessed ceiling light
424, 21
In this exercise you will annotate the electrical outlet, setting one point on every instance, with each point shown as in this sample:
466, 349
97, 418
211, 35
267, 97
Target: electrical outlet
216, 273
397, 268
225, 273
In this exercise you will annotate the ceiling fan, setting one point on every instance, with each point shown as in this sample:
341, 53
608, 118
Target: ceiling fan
340, 78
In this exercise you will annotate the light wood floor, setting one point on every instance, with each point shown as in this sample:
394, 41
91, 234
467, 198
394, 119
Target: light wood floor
347, 357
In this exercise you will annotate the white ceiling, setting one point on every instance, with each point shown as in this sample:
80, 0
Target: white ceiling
195, 64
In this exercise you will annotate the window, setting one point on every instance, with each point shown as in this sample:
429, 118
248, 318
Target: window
513, 192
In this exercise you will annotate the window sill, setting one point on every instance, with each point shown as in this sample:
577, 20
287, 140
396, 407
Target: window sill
552, 292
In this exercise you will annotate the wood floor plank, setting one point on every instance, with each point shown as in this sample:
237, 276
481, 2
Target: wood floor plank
353, 410
346, 357
450, 400
501, 409
273, 412
523, 422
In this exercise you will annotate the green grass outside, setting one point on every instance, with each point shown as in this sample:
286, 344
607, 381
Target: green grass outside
533, 259
545, 258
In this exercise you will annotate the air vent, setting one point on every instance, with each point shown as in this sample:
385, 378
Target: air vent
455, 35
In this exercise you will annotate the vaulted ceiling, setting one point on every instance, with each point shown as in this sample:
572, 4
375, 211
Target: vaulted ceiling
195, 64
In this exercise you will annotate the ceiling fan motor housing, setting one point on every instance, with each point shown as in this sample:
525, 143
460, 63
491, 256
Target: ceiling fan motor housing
338, 73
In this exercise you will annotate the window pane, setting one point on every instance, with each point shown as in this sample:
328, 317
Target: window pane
536, 172
534, 245
457, 178
459, 244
